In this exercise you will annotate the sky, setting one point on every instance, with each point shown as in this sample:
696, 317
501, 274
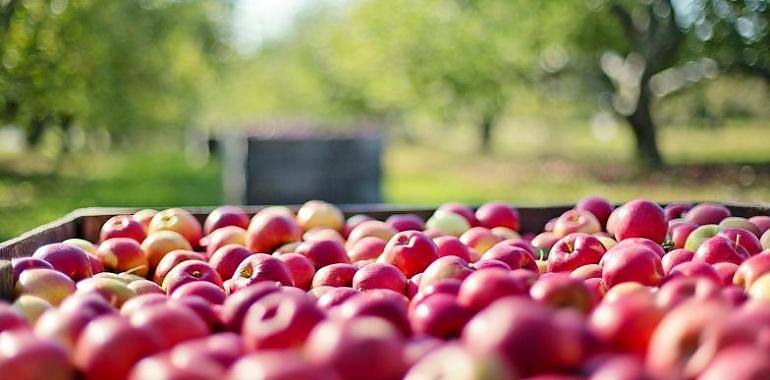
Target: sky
260, 20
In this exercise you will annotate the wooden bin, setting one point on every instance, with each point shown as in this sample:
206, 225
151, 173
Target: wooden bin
86, 224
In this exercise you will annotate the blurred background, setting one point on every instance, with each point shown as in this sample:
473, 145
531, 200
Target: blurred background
149, 103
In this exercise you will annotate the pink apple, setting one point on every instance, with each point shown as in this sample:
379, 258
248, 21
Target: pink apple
479, 239
640, 218
600, 207
452, 246
626, 324
352, 222
744, 238
262, 267
170, 323
163, 366
203, 289
379, 276
676, 210
674, 258
576, 220
751, 269
145, 287
10, 319
225, 216
144, 217
514, 256
560, 290
227, 258
462, 210
482, 288
382, 303
692, 269
445, 268
725, 272
489, 264
323, 252
301, 269
498, 214
740, 223
406, 222
545, 240
682, 289
740, 362
63, 327
237, 304
720, 249
707, 213
122, 226
335, 275
634, 262
367, 248
20, 264
71, 261
223, 236
334, 297
439, 315
573, 251
190, 271
27, 357
141, 302
680, 232
267, 232
762, 222
410, 251
91, 303
279, 321
123, 255
171, 260
115, 291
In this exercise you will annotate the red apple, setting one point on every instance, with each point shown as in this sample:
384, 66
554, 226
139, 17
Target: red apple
379, 276
576, 220
10, 319
515, 257
449, 286
110, 346
573, 251
462, 210
482, 288
177, 220
498, 214
190, 271
160, 243
653, 246
170, 323
141, 302
335, 275
301, 269
744, 238
279, 321
678, 290
600, 207
560, 290
587, 271
278, 365
406, 222
122, 226
382, 303
349, 346
675, 210
740, 362
114, 291
545, 240
725, 272
352, 222
707, 213
144, 217
720, 249
225, 216
171, 260
762, 222
740, 223
334, 297
145, 287
633, 262
262, 267
626, 324
71, 261
479, 239
223, 349
123, 255
323, 252
752, 269
267, 232
48, 284
674, 258
452, 246
692, 269
367, 248
25, 356
203, 289
91, 303
488, 264
640, 218
20, 264
368, 228
619, 367
237, 304
63, 327
439, 315
315, 214
410, 251
227, 258
323, 234
680, 232
444, 268
453, 361
222, 237
163, 366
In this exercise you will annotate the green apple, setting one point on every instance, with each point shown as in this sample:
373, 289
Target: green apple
699, 235
31, 307
448, 223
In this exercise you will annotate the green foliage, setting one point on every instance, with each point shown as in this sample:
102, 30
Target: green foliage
109, 64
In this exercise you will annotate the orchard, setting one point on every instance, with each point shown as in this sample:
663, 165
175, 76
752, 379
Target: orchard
637, 291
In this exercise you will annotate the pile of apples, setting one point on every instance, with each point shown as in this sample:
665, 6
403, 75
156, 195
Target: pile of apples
633, 292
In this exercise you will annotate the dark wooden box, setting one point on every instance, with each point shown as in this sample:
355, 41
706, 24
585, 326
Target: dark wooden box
86, 223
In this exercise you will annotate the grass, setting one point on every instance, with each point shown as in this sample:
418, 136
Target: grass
533, 163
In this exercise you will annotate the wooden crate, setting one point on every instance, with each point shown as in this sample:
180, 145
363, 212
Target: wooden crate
86, 223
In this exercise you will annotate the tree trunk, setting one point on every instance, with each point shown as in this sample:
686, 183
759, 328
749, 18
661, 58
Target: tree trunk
487, 124
644, 129
36, 128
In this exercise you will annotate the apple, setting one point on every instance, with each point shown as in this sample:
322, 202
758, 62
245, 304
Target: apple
545, 240
279, 321
406, 222
349, 346
21, 264
164, 366
587, 271
445, 268
267, 232
116, 292
334, 296
765, 240
744, 238
301, 269
262, 267
169, 323
629, 289
367, 228
453, 361
11, 319
122, 254
122, 226
31, 307
48, 284
278, 365
479, 239
505, 233
462, 210
576, 220
676, 340
448, 223
676, 210
640, 218
740, 362
634, 262
110, 346
224, 349
141, 302
145, 287
681, 232
205, 310
741, 223
63, 327
382, 303
225, 216
573, 251
335, 275
413, 285
562, 291
626, 324
452, 246
27, 357
70, 260
695, 269
726, 272
410, 251
227, 258
203, 289
699, 235
177, 220
515, 257
449, 286
352, 222
223, 236
144, 217
760, 289
323, 234
88, 302
681, 289
439, 315
523, 331
481, 288
762, 222
653, 246
160, 243
323, 252
237, 304
498, 214
751, 269
367, 248
720, 249
600, 207
707, 213
489, 264
379, 276
83, 244
172, 259
314, 214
